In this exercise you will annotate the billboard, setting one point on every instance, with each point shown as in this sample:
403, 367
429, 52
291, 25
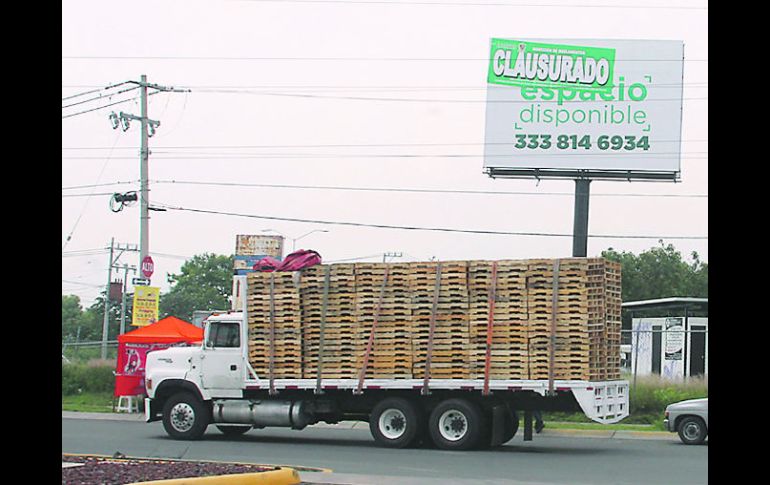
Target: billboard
605, 109
249, 249
145, 310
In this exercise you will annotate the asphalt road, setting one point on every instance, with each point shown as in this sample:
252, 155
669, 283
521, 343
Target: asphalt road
353, 457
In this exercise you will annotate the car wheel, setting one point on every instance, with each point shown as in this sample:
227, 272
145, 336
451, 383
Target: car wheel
692, 430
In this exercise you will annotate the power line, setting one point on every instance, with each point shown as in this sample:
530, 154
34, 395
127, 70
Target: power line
101, 96
87, 195
83, 210
354, 259
357, 59
491, 4
112, 86
337, 145
106, 105
702, 84
413, 190
271, 156
415, 228
98, 185
425, 100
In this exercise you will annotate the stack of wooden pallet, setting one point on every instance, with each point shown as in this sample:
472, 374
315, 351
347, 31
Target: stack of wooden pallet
275, 344
329, 321
383, 312
449, 347
548, 320
557, 315
505, 282
604, 319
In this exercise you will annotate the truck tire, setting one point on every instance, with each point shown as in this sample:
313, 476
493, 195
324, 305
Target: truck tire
233, 430
396, 422
511, 425
185, 417
692, 430
457, 424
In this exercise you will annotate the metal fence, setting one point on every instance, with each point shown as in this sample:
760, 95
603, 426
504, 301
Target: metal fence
84, 351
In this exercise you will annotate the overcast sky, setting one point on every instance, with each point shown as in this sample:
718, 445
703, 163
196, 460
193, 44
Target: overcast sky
387, 95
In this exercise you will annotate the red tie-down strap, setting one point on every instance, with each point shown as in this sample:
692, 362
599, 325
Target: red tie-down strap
369, 345
490, 327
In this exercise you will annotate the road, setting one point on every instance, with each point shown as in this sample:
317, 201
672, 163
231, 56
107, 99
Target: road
353, 457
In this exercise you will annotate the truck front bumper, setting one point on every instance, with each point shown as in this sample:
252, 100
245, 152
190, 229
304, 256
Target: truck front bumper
150, 412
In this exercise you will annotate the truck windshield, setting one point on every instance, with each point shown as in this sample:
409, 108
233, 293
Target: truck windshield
224, 334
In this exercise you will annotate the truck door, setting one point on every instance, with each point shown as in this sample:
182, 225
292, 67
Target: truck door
222, 357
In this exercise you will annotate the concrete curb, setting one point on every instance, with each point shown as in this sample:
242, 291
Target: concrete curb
283, 476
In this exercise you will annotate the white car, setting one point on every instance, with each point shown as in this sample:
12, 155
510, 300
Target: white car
690, 419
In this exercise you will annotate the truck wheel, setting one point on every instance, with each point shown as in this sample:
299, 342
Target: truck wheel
185, 417
233, 430
457, 424
692, 430
511, 425
396, 422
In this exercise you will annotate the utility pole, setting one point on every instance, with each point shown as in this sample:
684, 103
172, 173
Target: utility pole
123, 297
148, 127
144, 202
113, 261
105, 325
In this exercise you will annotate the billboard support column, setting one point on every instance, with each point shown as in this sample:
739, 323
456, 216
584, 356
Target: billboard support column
580, 226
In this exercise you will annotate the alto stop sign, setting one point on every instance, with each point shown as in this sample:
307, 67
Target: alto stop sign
147, 266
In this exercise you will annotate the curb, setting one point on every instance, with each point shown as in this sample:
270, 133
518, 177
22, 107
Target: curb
282, 476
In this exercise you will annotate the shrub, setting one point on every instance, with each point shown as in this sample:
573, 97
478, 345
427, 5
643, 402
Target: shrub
652, 394
94, 376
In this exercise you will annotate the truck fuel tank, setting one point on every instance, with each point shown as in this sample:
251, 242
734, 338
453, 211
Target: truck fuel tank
261, 413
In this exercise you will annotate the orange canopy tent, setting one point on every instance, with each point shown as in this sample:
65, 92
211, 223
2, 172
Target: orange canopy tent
133, 347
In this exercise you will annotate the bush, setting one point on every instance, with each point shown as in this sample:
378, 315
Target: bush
95, 376
652, 394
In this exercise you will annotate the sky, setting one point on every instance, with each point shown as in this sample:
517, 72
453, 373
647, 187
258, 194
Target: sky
331, 96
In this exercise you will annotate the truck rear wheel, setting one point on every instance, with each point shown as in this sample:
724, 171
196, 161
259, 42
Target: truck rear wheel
185, 417
396, 422
457, 424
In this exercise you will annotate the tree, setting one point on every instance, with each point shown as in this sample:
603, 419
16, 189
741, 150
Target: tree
660, 272
204, 283
71, 314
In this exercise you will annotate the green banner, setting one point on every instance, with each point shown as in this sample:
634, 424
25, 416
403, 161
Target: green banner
536, 64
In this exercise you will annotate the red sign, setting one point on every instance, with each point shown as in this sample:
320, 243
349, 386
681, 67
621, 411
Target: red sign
147, 266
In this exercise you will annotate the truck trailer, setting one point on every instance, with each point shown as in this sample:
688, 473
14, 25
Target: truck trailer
445, 354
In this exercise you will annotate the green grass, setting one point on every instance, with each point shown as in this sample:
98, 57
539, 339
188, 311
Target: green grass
88, 402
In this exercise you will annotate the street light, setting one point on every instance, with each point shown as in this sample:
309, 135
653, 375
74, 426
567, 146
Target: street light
294, 240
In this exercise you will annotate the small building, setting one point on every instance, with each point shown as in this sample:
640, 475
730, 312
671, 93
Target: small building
667, 337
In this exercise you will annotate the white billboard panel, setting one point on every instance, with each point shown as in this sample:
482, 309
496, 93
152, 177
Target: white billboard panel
584, 108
